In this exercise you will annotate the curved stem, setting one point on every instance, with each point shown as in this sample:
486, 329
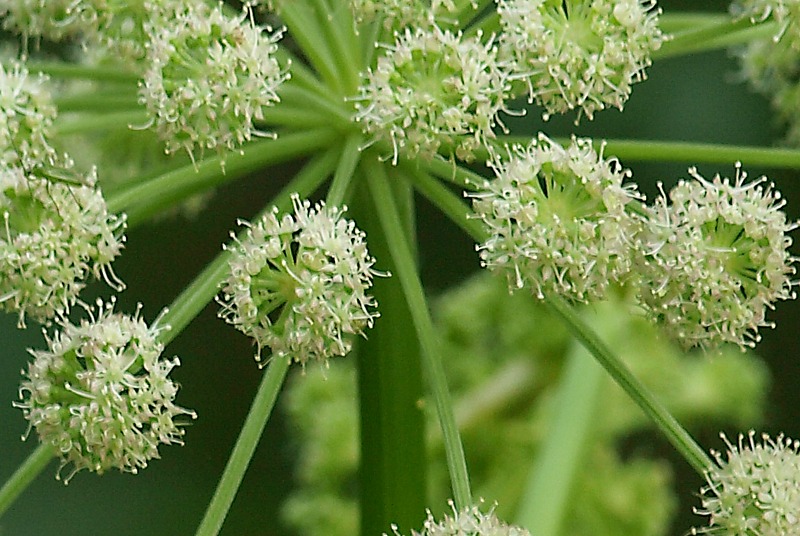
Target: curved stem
431, 358
24, 475
245, 446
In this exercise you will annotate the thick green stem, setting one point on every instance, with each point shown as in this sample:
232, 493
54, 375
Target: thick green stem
245, 447
545, 500
24, 475
663, 419
99, 102
393, 474
432, 363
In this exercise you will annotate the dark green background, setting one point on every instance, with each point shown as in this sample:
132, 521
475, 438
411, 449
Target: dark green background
695, 98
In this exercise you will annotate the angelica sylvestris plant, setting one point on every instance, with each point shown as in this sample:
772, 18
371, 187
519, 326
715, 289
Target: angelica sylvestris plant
369, 104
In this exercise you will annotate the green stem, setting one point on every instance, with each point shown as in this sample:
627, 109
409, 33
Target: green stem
446, 201
343, 178
145, 199
663, 419
311, 40
337, 23
206, 285
24, 475
672, 23
674, 432
679, 151
91, 122
702, 39
245, 446
432, 363
334, 112
84, 72
98, 102
453, 173
390, 387
544, 502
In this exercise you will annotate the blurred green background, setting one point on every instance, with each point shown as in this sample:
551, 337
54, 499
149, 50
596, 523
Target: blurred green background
695, 98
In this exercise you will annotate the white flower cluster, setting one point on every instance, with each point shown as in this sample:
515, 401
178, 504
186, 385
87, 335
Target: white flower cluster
26, 121
716, 259
209, 78
54, 236
100, 394
433, 88
557, 219
578, 54
467, 522
298, 283
707, 263
756, 491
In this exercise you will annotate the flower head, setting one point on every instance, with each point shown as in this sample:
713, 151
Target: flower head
210, 78
433, 88
100, 394
467, 522
51, 19
556, 219
26, 121
579, 54
717, 258
54, 235
298, 283
756, 491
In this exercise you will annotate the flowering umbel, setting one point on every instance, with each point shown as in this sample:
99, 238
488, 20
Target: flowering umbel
578, 54
55, 234
756, 491
100, 394
716, 259
298, 283
26, 121
556, 219
469, 521
209, 79
433, 88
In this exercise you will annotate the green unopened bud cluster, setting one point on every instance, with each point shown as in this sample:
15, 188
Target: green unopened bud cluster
707, 262
100, 394
298, 283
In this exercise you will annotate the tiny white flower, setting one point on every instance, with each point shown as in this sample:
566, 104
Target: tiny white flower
54, 236
210, 78
755, 491
556, 219
469, 521
298, 283
100, 394
433, 88
716, 259
578, 54
27, 113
